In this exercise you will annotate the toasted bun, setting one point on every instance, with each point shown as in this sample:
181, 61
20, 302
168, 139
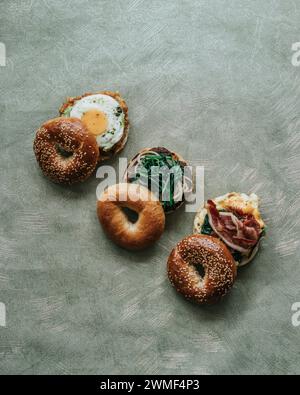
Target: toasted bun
132, 164
247, 204
105, 155
132, 236
215, 259
70, 135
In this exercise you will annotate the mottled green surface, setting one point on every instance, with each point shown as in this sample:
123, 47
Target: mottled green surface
211, 79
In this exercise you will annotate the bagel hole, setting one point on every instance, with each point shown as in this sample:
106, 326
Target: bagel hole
200, 270
131, 215
62, 152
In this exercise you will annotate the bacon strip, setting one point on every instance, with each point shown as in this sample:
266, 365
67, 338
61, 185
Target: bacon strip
241, 234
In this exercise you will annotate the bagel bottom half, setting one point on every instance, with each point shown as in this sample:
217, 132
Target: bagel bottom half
151, 218
217, 274
142, 170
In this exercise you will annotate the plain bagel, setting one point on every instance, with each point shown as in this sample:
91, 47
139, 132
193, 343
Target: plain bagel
65, 151
216, 261
151, 218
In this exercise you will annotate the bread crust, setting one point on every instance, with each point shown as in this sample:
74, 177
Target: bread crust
118, 147
217, 262
70, 135
132, 236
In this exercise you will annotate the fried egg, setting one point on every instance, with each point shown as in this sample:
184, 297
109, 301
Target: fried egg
103, 117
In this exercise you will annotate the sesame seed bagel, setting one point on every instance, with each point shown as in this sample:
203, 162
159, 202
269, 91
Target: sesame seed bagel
151, 218
216, 261
65, 151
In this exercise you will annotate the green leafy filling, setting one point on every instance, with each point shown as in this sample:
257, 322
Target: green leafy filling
206, 229
118, 111
237, 256
148, 170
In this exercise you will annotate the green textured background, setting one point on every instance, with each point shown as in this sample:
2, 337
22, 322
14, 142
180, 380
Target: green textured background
210, 79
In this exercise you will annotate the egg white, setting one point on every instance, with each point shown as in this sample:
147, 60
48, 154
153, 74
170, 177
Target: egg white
109, 106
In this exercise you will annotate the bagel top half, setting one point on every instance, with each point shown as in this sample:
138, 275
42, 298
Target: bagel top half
105, 115
143, 169
236, 220
65, 151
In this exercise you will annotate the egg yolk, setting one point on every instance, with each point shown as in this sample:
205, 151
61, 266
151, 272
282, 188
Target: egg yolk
95, 121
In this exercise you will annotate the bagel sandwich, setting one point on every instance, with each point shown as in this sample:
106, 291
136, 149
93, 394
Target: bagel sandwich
170, 185
105, 115
236, 220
